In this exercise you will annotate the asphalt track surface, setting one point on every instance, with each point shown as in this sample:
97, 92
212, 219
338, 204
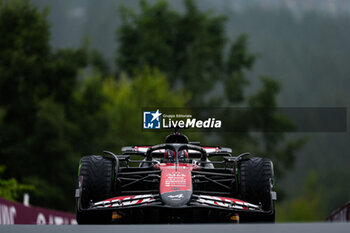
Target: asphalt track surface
185, 228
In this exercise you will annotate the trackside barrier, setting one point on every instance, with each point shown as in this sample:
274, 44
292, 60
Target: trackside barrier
17, 213
340, 215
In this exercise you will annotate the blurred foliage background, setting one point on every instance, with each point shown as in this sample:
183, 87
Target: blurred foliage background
75, 75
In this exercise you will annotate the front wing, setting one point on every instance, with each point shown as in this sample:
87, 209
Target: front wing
154, 200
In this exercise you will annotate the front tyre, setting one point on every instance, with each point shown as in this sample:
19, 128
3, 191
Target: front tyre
256, 185
97, 173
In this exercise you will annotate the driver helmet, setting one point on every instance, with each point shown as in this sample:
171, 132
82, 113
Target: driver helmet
170, 155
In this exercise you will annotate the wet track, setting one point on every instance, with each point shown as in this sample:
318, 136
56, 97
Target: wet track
191, 228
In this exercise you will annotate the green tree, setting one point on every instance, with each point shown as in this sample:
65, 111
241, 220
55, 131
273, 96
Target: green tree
188, 48
10, 189
111, 110
23, 53
36, 86
307, 206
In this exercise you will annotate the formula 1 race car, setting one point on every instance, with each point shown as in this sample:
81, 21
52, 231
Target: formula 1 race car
175, 182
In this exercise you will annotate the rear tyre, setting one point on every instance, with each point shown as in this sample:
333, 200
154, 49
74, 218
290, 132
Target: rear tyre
256, 184
97, 173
